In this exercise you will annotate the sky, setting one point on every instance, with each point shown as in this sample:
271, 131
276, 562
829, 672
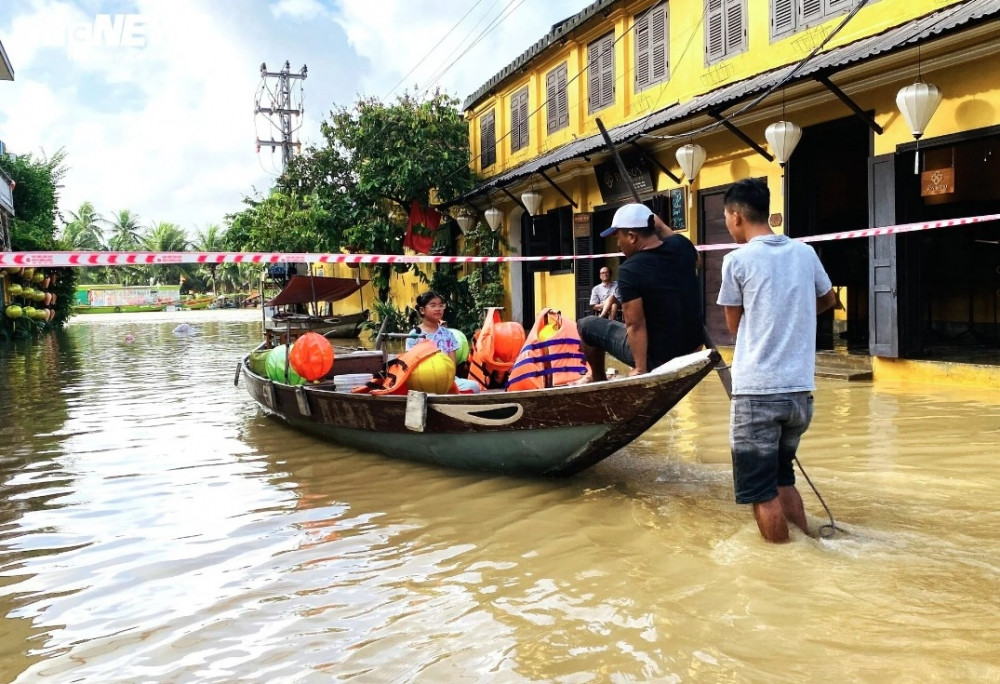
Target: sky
153, 100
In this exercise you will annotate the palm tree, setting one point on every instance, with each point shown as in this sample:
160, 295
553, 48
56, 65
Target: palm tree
83, 231
212, 239
166, 237
125, 229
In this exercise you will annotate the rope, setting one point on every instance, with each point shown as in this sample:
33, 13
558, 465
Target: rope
829, 529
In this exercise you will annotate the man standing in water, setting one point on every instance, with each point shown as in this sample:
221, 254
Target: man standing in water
772, 290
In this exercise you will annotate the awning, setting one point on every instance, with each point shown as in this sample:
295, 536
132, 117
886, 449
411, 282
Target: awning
305, 289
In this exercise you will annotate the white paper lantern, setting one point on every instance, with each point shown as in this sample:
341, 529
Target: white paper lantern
690, 157
494, 217
783, 136
918, 102
465, 222
532, 200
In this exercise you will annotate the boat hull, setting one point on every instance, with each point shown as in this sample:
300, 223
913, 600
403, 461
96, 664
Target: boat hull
555, 432
124, 308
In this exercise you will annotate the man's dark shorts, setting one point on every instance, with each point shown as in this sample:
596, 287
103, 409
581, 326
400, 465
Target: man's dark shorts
608, 335
765, 430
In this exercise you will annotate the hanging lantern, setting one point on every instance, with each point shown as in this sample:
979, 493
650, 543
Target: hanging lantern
532, 200
918, 102
494, 217
783, 136
465, 222
690, 157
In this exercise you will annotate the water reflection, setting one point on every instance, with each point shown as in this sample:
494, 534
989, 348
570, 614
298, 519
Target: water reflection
157, 527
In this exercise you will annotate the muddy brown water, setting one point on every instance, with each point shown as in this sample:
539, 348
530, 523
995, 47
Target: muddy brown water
154, 526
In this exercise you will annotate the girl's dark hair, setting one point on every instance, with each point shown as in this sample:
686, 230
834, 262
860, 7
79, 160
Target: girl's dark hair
426, 298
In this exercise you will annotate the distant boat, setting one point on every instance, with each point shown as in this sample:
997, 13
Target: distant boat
123, 308
196, 303
303, 290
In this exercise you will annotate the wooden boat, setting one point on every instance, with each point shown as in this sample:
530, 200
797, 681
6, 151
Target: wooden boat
124, 308
558, 431
300, 291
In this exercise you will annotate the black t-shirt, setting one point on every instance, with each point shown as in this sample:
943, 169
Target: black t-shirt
665, 278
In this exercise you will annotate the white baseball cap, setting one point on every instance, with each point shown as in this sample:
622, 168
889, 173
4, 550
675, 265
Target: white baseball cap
630, 216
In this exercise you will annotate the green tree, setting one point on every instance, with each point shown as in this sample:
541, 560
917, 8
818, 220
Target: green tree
166, 237
376, 160
83, 231
125, 230
36, 200
212, 239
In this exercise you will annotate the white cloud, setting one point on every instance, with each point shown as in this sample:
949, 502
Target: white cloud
298, 9
167, 130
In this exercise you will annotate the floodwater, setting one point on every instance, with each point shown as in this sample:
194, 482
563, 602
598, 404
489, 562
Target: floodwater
154, 526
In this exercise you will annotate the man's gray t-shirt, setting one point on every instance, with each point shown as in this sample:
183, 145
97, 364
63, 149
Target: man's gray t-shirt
601, 292
777, 281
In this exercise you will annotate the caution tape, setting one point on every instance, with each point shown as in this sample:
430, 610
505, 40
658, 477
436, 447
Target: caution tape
88, 259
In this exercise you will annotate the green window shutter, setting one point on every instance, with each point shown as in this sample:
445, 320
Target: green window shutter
782, 18
715, 44
659, 52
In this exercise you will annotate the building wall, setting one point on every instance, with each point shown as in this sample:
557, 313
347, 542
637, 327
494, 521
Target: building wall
964, 74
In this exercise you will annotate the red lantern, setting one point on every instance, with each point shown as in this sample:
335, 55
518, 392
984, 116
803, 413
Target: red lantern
311, 356
508, 338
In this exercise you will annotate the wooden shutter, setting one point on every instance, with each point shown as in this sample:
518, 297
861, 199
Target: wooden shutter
810, 11
883, 307
715, 44
735, 27
837, 5
519, 120
659, 52
556, 99
782, 17
593, 76
608, 70
642, 52
487, 140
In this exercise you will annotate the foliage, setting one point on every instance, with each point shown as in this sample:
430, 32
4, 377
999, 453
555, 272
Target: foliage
395, 320
36, 199
376, 160
212, 239
167, 237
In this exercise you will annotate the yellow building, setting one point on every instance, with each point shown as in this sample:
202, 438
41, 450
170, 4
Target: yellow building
717, 74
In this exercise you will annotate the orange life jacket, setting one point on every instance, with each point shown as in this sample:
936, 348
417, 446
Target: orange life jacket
553, 362
484, 366
394, 374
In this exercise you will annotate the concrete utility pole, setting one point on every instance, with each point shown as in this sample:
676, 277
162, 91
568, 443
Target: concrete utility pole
281, 110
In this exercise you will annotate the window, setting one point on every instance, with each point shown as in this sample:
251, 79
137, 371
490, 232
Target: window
789, 16
601, 73
652, 47
487, 140
556, 100
519, 120
551, 235
725, 29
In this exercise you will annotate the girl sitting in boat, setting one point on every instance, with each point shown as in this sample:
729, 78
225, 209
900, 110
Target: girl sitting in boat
431, 307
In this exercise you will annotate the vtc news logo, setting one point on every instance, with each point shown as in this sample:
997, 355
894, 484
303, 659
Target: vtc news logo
110, 31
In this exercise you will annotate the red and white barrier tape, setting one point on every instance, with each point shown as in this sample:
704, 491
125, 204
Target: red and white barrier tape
86, 259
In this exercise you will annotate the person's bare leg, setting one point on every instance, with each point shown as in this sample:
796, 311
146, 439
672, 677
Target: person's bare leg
771, 521
792, 508
614, 310
606, 307
595, 358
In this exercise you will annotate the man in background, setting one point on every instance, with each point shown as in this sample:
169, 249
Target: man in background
604, 296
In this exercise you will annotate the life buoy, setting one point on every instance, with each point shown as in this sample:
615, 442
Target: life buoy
392, 378
551, 356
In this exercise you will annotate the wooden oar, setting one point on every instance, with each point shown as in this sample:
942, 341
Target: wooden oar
721, 368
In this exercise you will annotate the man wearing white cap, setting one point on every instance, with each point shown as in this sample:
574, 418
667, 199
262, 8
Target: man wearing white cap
658, 289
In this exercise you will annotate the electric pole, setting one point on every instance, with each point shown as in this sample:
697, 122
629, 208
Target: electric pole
281, 110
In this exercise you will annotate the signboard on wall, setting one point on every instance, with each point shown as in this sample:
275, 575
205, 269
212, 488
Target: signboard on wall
581, 225
678, 215
937, 182
613, 186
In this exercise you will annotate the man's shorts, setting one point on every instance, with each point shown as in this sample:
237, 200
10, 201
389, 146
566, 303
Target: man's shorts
764, 435
611, 336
